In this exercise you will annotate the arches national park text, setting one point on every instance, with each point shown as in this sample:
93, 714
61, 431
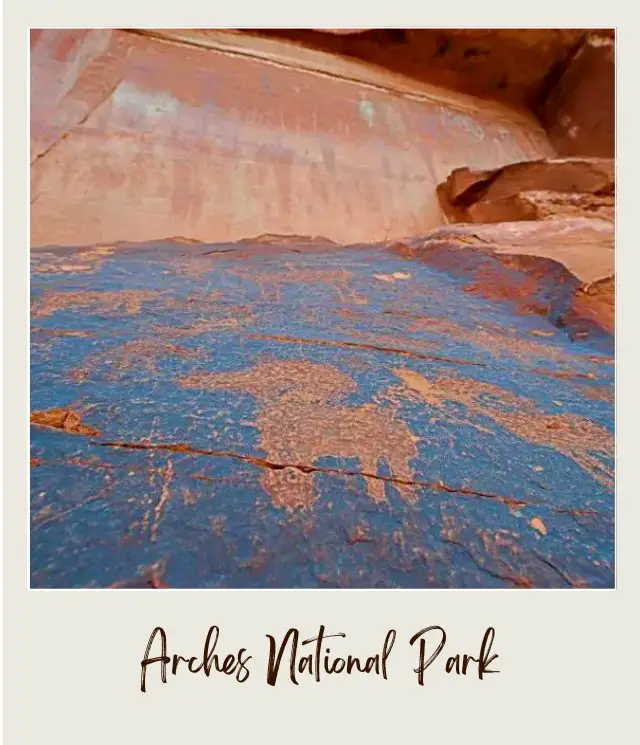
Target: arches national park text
296, 657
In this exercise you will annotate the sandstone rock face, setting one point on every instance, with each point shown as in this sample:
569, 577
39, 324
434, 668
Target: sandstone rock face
261, 405
574, 257
405, 413
568, 187
542, 205
584, 246
565, 75
341, 31
596, 303
219, 136
580, 111
513, 65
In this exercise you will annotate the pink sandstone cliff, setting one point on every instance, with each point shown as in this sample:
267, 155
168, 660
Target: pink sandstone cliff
216, 136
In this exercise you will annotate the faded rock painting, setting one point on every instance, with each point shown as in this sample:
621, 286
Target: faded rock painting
301, 420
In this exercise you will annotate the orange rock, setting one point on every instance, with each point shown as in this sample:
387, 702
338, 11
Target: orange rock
531, 190
596, 302
64, 419
216, 136
542, 205
287, 240
580, 110
584, 247
513, 65
537, 524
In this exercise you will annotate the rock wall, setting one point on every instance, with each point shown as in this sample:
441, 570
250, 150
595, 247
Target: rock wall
580, 110
516, 66
218, 136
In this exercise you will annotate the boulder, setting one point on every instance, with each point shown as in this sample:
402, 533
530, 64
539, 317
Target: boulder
534, 190
542, 205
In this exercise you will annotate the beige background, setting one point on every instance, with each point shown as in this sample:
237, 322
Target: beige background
567, 659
